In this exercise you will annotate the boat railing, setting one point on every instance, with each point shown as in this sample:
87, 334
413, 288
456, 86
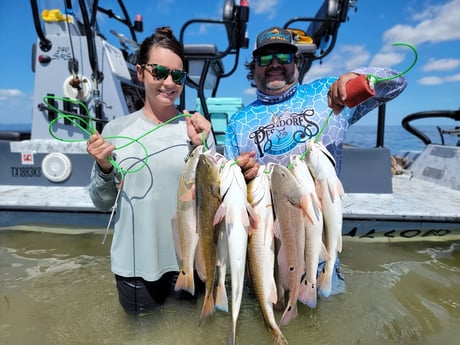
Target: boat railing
205, 61
452, 114
319, 39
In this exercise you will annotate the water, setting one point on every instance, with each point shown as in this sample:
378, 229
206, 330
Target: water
58, 289
396, 138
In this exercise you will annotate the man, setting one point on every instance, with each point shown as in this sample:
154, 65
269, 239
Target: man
286, 114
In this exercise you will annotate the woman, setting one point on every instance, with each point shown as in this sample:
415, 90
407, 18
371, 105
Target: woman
142, 254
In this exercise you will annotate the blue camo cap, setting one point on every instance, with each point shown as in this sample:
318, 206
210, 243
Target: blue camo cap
274, 36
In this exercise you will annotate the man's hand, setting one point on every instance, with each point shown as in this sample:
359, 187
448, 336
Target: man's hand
338, 92
248, 165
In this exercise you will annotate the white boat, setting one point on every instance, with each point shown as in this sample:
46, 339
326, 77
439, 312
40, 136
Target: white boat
43, 181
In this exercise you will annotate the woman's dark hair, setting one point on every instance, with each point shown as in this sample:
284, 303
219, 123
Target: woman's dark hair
162, 37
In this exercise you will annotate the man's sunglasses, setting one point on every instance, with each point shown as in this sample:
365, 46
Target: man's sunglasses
266, 60
161, 72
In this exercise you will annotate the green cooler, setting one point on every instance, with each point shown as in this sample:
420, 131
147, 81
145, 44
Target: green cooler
220, 110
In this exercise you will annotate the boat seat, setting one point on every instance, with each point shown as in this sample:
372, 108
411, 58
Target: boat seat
366, 170
197, 56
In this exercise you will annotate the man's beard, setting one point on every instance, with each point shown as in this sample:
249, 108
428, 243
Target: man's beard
276, 85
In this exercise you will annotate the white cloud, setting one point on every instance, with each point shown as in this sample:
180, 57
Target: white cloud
387, 59
441, 65
438, 24
453, 78
264, 7
435, 80
6, 94
343, 59
430, 80
250, 91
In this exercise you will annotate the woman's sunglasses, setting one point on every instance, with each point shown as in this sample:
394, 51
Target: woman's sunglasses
266, 60
161, 72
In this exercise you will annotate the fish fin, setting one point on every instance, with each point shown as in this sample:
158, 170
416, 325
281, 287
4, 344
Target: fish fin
200, 262
220, 214
187, 196
320, 190
251, 231
273, 294
340, 189
176, 236
339, 244
331, 189
323, 253
316, 206
193, 191
253, 217
185, 282
335, 188
304, 207
277, 229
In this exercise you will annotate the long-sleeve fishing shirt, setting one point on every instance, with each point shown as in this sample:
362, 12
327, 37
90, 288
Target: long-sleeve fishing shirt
142, 244
277, 129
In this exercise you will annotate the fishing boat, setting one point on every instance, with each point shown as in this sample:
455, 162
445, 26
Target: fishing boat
45, 172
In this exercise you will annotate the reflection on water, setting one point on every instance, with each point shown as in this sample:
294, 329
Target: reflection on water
58, 289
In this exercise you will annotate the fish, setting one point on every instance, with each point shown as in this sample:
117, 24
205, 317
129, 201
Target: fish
261, 250
208, 200
221, 299
330, 192
238, 214
184, 223
290, 210
314, 246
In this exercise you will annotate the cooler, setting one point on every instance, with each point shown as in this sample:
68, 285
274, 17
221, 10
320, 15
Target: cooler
220, 110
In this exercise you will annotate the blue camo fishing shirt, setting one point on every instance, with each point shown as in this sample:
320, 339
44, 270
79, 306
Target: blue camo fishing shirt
275, 131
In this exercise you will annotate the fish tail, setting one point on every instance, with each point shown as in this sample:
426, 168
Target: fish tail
185, 282
280, 339
289, 314
221, 298
325, 284
308, 294
208, 307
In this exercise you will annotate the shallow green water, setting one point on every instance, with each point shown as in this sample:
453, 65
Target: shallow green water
58, 289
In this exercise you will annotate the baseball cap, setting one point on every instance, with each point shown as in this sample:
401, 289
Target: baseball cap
274, 36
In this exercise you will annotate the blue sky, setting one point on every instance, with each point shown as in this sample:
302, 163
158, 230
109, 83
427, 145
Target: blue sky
432, 26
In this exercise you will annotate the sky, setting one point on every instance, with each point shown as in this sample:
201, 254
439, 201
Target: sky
366, 39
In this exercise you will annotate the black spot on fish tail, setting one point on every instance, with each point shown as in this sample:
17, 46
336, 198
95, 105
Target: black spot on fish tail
303, 276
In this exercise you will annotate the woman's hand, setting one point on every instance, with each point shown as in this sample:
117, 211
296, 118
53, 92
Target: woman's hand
100, 150
197, 125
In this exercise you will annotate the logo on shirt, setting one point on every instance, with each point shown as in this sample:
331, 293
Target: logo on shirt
285, 133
